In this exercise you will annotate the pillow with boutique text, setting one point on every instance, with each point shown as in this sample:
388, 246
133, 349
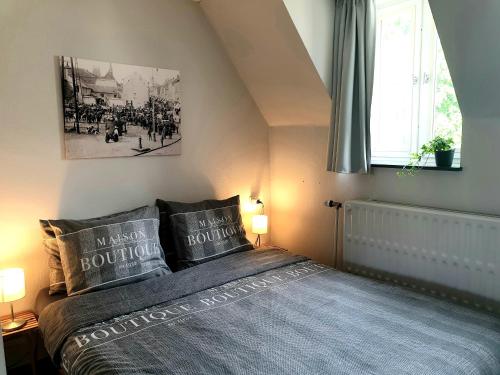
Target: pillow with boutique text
109, 252
202, 231
56, 274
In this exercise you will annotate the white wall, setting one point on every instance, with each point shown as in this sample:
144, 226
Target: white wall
314, 23
469, 34
300, 185
225, 145
475, 189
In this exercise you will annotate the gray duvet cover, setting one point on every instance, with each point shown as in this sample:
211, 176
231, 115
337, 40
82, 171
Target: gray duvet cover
267, 312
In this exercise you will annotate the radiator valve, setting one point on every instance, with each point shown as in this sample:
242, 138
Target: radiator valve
332, 204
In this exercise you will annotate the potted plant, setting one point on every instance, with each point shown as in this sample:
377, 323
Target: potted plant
441, 147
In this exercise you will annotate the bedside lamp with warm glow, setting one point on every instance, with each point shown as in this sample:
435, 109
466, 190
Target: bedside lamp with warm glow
11, 289
259, 224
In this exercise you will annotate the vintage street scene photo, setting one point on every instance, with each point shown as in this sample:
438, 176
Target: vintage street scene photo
114, 110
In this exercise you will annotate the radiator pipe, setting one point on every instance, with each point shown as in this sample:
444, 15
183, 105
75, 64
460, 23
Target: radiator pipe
337, 206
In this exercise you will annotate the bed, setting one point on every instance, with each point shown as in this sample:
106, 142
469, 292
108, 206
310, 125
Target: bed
267, 311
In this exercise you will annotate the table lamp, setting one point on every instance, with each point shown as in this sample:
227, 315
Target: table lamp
259, 224
11, 289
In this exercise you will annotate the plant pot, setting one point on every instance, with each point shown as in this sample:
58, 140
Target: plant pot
444, 159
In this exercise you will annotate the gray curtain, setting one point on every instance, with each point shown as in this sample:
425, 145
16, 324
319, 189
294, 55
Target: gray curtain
353, 65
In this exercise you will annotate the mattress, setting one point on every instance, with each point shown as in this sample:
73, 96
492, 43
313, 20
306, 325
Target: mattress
267, 312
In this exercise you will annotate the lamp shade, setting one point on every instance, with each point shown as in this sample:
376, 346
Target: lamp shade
11, 284
259, 224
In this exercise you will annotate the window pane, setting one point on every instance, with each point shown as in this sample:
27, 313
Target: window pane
447, 116
392, 107
413, 95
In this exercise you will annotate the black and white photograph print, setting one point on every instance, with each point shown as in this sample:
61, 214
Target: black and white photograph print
114, 110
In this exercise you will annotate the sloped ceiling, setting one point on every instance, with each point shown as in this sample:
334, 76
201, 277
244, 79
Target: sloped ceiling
470, 35
314, 23
268, 52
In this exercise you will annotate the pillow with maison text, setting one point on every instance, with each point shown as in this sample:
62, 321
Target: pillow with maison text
56, 274
202, 231
114, 251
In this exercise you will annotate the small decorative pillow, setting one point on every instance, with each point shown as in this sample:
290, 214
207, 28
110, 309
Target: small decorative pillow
202, 231
99, 254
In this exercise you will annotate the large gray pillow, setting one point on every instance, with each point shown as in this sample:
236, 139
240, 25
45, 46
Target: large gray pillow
202, 231
99, 254
57, 283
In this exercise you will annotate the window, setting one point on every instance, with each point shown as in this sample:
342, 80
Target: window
413, 95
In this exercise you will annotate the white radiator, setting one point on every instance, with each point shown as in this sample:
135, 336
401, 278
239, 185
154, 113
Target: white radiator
457, 250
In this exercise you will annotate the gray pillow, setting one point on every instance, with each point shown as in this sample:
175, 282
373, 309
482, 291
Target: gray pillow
107, 252
56, 274
202, 231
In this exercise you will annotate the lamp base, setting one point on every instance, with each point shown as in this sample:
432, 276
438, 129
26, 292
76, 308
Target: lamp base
257, 241
13, 325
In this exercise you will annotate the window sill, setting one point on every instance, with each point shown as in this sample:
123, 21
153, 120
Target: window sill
428, 168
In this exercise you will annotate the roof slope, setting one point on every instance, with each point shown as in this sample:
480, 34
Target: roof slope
469, 33
267, 51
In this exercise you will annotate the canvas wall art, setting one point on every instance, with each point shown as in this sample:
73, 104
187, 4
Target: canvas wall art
115, 110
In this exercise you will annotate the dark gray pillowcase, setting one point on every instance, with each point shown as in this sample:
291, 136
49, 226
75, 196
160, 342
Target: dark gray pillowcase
202, 231
107, 252
56, 274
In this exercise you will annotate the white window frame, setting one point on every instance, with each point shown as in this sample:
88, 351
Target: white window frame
424, 87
